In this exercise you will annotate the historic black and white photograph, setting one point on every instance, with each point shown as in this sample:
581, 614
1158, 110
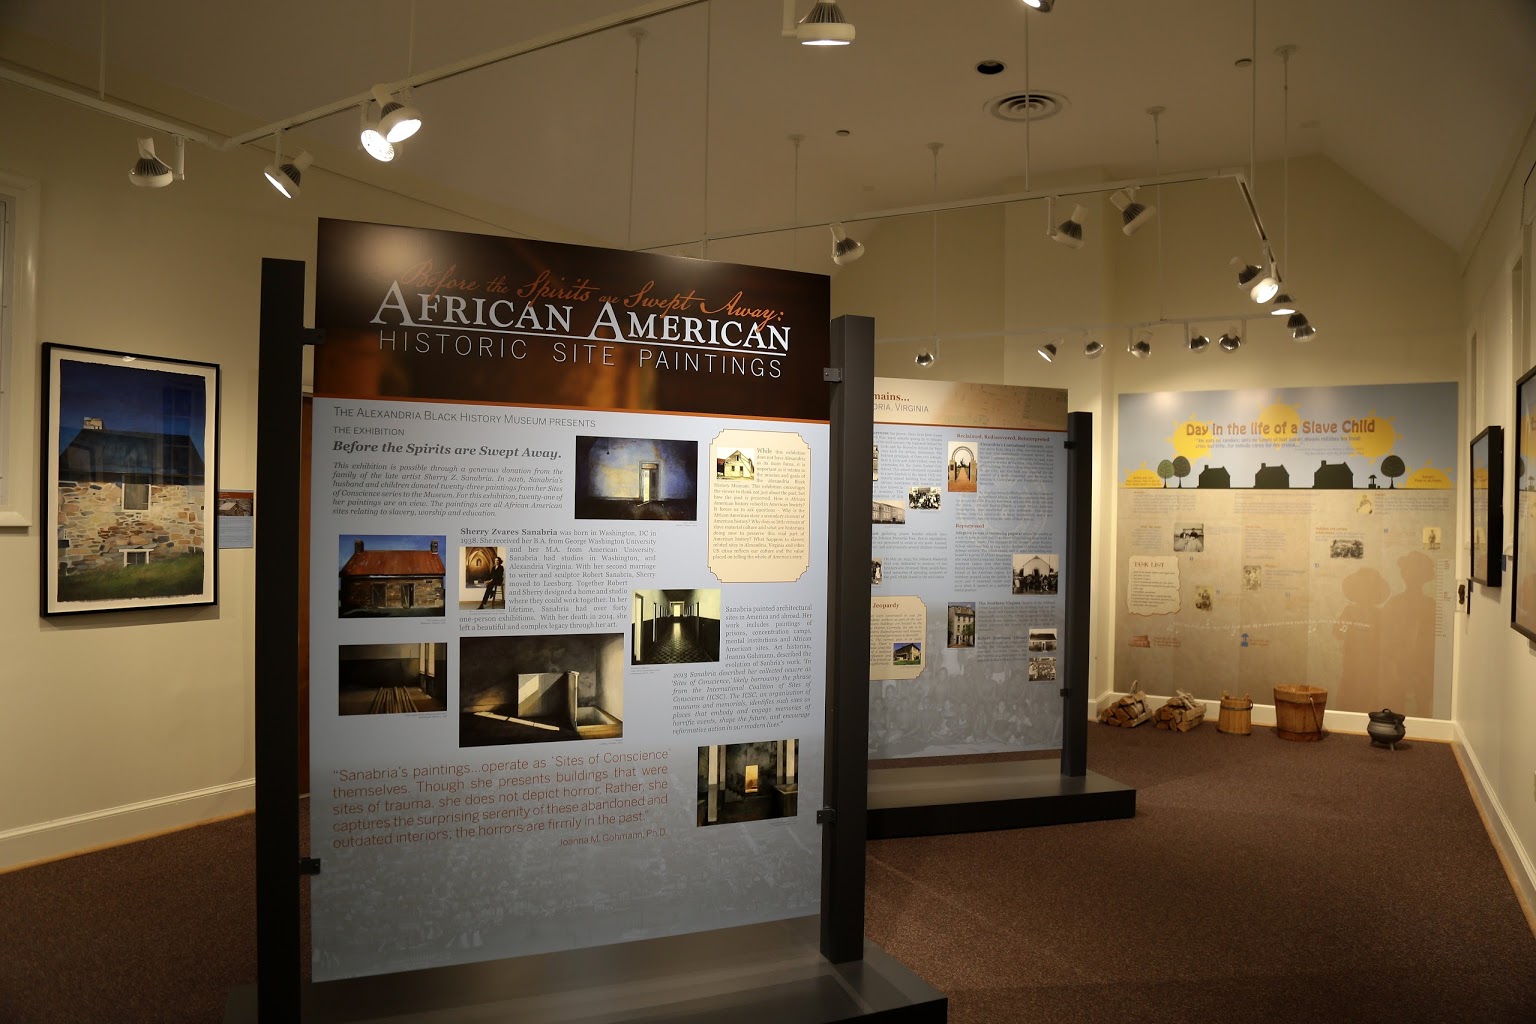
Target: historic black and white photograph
540, 689
877, 464
636, 478
740, 782
391, 679
923, 497
888, 512
1189, 537
962, 624
962, 468
1253, 577
1035, 574
1041, 669
876, 571
1346, 547
675, 626
1042, 640
1203, 599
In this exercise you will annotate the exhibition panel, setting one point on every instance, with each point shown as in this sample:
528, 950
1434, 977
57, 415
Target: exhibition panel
569, 623
1290, 536
969, 586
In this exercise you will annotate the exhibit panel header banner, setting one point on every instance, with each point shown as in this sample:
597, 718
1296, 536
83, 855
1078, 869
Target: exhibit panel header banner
413, 313
967, 596
1295, 536
568, 614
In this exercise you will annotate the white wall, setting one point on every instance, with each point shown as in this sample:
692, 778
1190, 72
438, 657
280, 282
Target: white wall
123, 723
1495, 698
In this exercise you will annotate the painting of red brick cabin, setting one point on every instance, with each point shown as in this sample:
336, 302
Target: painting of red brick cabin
131, 450
390, 576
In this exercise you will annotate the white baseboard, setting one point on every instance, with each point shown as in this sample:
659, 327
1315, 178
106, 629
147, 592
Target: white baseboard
1512, 852
1436, 729
61, 837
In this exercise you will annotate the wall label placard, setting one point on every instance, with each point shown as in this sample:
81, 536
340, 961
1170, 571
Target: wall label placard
1299, 535
568, 597
966, 558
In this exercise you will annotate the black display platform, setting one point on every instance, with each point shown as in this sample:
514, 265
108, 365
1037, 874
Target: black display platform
758, 974
943, 799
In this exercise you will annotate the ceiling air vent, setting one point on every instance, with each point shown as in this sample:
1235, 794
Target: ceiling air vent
1021, 106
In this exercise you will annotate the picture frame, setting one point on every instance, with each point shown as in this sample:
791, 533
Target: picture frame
1522, 615
130, 450
1487, 511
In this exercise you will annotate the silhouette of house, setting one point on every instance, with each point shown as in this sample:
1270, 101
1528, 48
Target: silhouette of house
1335, 477
1273, 477
1215, 476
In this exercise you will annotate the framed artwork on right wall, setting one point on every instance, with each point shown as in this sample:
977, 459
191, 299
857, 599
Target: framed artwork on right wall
1488, 507
1523, 608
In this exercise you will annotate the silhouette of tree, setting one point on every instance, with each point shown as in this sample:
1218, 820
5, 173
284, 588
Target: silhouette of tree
1180, 469
1165, 470
1392, 467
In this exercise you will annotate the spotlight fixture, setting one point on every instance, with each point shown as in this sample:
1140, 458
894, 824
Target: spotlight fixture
1261, 286
1043, 6
1230, 342
925, 358
149, 171
1132, 214
397, 121
1070, 231
1141, 348
824, 26
1282, 305
285, 175
1304, 333
1199, 343
1047, 351
1093, 349
374, 141
844, 249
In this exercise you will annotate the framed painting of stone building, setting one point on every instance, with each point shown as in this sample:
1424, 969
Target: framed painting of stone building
130, 461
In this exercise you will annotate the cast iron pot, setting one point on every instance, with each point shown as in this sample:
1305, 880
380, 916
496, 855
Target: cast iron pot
1386, 727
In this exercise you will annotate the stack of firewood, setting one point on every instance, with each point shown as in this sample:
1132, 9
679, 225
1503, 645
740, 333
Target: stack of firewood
1127, 712
1182, 713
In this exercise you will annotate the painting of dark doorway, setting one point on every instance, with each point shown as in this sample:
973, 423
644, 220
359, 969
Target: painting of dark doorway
748, 782
674, 627
636, 478
391, 679
540, 689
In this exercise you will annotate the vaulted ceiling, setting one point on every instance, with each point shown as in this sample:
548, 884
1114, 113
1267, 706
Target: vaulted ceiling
1422, 100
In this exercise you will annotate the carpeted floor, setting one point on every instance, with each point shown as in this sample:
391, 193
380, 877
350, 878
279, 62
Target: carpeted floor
1260, 881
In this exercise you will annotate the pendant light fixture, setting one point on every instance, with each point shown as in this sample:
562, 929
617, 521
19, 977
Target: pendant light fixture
371, 139
1198, 343
845, 250
1141, 348
1133, 215
823, 26
286, 175
1230, 341
149, 171
1047, 351
1070, 231
1093, 349
1043, 6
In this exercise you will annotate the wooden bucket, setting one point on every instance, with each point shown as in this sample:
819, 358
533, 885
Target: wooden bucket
1299, 712
1236, 715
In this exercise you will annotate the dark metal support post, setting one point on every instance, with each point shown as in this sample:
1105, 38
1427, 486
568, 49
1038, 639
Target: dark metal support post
1078, 573
278, 417
842, 837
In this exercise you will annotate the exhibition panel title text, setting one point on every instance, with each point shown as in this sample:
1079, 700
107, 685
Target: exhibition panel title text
432, 310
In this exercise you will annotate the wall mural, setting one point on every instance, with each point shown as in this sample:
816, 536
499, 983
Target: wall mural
1302, 535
